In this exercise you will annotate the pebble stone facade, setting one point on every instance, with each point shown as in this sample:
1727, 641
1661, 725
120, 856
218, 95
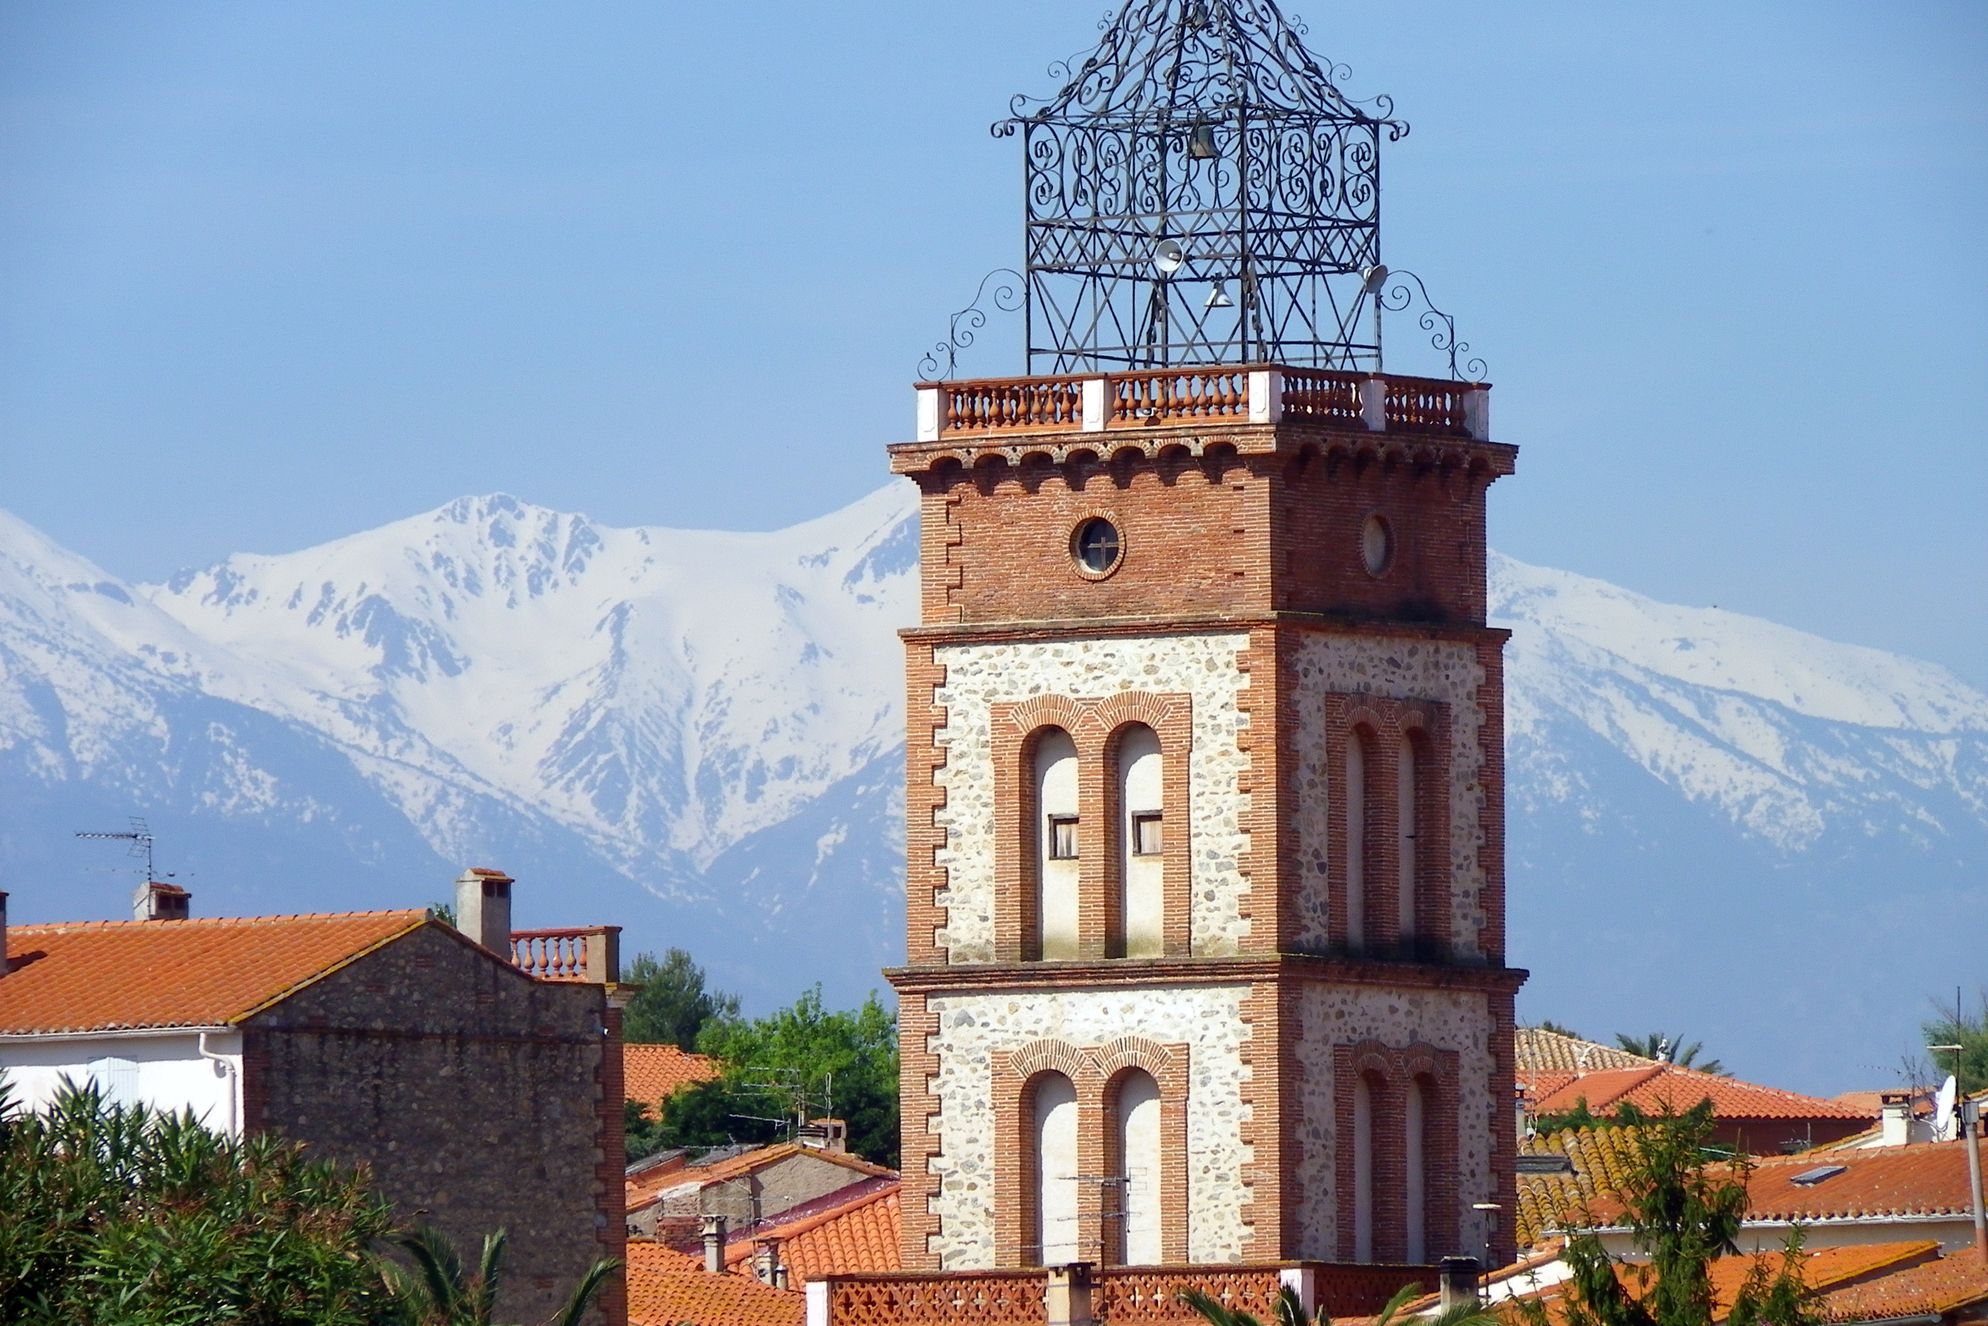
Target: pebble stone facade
1245, 623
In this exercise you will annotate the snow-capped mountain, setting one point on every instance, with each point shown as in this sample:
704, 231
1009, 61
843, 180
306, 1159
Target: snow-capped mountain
1718, 825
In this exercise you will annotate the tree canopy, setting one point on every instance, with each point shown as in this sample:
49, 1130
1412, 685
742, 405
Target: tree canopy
675, 1002
1967, 1030
1661, 1046
803, 1062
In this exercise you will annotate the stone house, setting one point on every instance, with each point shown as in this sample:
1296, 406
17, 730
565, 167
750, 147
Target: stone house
481, 1093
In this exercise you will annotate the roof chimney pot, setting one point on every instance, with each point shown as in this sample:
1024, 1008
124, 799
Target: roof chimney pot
156, 900
714, 1244
483, 908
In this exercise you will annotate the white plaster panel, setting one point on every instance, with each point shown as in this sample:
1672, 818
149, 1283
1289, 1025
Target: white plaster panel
171, 1073
973, 1028
979, 676
1335, 1015
1437, 670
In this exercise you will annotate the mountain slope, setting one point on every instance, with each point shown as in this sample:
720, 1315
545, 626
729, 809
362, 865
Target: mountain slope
1715, 822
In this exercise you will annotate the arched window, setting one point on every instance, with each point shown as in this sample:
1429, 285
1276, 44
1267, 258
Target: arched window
1361, 814
1415, 1186
1365, 1094
1056, 845
1407, 859
1132, 1206
1052, 1121
1140, 910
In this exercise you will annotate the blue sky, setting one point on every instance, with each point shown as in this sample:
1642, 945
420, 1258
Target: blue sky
270, 274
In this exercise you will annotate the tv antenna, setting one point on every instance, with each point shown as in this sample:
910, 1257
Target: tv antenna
139, 835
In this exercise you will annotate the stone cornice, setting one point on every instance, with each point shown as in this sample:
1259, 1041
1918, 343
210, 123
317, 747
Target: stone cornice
976, 977
1197, 624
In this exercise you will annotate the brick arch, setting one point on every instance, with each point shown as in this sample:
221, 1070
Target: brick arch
1396, 1068
1046, 1056
1388, 721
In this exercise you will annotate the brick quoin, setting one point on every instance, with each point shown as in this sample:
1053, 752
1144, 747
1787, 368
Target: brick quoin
1252, 531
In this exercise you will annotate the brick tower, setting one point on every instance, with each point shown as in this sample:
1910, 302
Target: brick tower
1205, 725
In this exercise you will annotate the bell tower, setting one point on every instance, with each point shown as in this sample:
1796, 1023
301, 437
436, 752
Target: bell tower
1206, 943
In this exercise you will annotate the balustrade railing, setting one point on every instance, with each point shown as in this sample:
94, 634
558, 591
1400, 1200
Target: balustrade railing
1152, 1294
1210, 395
583, 953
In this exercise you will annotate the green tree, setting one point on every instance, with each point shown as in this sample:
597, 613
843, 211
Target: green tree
441, 1291
1681, 1215
114, 1214
804, 1061
1290, 1311
1957, 1026
675, 1002
1659, 1045
642, 1133
1560, 1028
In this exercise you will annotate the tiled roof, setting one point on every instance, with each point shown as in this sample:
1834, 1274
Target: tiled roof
642, 1190
1853, 1265
1928, 1178
1601, 1158
1933, 1286
1654, 1087
855, 1234
651, 1073
115, 975
666, 1288
1537, 1050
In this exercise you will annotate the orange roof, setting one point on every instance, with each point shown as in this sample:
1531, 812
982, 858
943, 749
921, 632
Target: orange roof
1934, 1286
1821, 1270
666, 1288
1655, 1087
117, 975
1928, 1178
652, 1073
851, 1237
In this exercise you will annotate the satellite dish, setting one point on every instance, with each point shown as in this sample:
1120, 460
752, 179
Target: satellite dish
1169, 256
1943, 1120
1376, 277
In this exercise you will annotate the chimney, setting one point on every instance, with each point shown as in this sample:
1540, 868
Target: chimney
770, 1271
830, 1135
157, 900
1068, 1300
483, 908
1457, 1280
3, 932
1894, 1118
714, 1244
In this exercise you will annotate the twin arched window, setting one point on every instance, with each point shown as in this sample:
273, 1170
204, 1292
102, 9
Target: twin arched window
1395, 1207
1127, 1210
1069, 859
1396, 912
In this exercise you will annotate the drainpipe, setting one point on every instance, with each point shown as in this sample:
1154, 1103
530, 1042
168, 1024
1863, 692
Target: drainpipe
1970, 1133
227, 1070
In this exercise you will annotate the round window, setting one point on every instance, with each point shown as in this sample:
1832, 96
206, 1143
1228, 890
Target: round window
1376, 545
1095, 545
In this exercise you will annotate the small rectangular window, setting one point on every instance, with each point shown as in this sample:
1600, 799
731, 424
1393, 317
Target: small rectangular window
1146, 838
1062, 837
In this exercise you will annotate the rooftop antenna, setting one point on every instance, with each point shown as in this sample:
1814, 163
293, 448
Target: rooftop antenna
139, 835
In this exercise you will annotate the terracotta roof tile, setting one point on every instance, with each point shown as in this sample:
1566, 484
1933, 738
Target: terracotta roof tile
1928, 1178
1601, 1158
666, 1287
1936, 1286
112, 975
1655, 1086
1537, 1050
652, 1073
642, 1189
854, 1235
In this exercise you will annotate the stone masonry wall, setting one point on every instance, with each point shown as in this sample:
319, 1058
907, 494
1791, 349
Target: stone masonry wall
979, 676
474, 1093
976, 1028
1334, 1016
1404, 668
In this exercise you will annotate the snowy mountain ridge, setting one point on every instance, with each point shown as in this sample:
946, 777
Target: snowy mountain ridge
718, 718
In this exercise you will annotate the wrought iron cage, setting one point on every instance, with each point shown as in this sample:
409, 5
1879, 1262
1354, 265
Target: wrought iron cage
1201, 192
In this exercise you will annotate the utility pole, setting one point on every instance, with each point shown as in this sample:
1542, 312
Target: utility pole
1967, 1116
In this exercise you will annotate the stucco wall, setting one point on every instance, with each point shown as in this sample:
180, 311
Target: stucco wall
975, 1028
170, 1073
979, 676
